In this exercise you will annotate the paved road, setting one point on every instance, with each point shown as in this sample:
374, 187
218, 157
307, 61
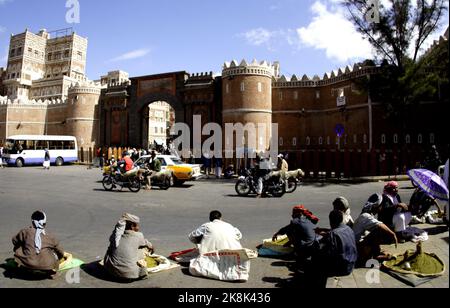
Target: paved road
82, 215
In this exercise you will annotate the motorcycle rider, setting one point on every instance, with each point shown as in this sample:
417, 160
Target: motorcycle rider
128, 164
153, 167
283, 168
263, 168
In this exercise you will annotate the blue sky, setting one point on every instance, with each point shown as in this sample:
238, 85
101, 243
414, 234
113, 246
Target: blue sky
147, 37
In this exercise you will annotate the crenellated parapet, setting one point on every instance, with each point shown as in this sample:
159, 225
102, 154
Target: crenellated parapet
85, 88
262, 68
342, 74
24, 102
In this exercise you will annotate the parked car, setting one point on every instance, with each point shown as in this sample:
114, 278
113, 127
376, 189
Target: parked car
181, 171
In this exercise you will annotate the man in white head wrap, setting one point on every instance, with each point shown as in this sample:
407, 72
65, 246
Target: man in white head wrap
35, 249
127, 247
370, 233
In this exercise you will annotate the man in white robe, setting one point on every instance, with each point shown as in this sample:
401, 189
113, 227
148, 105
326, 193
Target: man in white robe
216, 235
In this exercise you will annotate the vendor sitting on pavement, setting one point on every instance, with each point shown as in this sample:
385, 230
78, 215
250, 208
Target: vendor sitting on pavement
35, 249
393, 212
337, 254
127, 249
301, 234
216, 235
421, 203
370, 233
342, 204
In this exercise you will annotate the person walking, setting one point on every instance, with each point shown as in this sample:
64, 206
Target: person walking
1, 157
47, 160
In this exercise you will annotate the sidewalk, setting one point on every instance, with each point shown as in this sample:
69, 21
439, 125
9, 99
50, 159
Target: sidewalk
438, 243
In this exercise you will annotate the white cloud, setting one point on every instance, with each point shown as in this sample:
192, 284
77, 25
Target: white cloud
331, 31
259, 36
134, 54
271, 39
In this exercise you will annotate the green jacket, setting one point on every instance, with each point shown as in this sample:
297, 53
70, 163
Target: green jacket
155, 165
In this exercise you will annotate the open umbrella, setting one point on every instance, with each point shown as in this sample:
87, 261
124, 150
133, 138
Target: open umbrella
430, 183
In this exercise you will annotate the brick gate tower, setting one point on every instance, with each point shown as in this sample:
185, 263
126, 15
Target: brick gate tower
247, 98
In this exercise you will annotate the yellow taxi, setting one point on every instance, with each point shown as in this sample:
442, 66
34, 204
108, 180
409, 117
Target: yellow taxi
181, 171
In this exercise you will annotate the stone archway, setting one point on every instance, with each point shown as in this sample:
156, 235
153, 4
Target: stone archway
139, 107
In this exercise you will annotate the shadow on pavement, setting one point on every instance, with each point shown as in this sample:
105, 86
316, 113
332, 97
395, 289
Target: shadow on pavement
436, 230
14, 272
97, 271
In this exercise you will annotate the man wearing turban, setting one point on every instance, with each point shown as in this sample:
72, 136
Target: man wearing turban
126, 249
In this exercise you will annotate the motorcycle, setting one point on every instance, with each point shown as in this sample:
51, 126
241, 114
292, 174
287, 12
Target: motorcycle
117, 179
248, 183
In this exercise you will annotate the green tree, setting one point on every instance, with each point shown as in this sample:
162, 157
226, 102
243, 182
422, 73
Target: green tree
398, 39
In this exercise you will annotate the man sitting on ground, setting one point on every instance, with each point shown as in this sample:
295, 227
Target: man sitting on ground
370, 233
35, 249
216, 235
127, 249
337, 254
301, 234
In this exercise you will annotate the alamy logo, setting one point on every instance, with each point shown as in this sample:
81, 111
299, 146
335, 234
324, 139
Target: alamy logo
73, 12
73, 276
373, 11
373, 274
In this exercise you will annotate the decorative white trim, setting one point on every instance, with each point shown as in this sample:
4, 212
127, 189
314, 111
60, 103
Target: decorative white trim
246, 110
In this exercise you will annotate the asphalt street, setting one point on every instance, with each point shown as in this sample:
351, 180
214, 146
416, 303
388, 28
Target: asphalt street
82, 216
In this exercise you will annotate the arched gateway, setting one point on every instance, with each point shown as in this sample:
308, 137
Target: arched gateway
124, 120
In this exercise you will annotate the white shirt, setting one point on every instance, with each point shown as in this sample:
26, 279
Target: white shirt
365, 222
217, 235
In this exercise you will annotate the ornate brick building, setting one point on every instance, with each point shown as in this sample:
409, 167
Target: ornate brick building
48, 93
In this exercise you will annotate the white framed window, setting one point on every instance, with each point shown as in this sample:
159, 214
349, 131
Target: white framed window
294, 141
281, 141
419, 139
259, 87
383, 139
407, 139
395, 138
308, 141
320, 140
242, 86
296, 95
365, 139
432, 138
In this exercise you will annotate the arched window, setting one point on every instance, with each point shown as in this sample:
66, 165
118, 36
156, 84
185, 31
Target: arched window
259, 87
281, 141
432, 138
281, 96
294, 141
383, 139
328, 140
320, 140
242, 86
355, 138
365, 139
395, 138
408, 139
296, 95
308, 141
227, 88
419, 139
